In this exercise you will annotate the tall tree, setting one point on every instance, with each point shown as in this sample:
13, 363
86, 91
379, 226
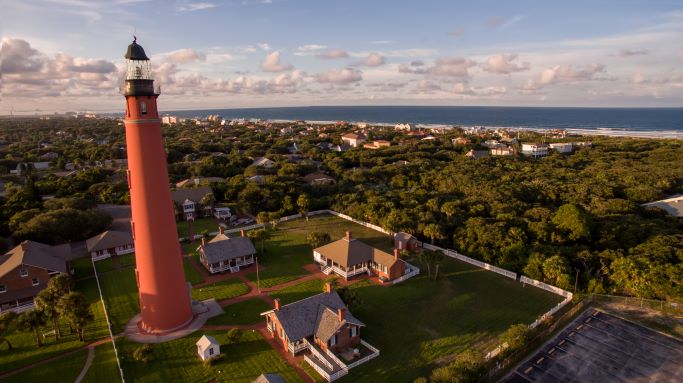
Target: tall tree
74, 307
304, 204
433, 231
46, 301
8, 322
317, 239
32, 320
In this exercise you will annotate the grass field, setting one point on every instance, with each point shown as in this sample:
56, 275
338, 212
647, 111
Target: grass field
417, 322
59, 371
25, 350
241, 313
299, 291
121, 296
226, 289
191, 274
177, 361
287, 251
200, 225
104, 368
82, 268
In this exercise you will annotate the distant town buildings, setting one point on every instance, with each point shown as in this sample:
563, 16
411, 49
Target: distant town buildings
354, 139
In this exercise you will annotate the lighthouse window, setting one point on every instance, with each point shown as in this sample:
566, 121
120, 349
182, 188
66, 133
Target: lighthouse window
143, 107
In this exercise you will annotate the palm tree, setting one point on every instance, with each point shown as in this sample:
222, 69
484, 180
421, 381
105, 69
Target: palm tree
46, 301
74, 307
207, 200
433, 231
8, 323
32, 321
258, 235
303, 203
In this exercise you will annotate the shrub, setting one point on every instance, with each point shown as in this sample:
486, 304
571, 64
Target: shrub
234, 335
144, 353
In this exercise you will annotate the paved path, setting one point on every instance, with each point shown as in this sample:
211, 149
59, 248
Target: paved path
88, 363
53, 358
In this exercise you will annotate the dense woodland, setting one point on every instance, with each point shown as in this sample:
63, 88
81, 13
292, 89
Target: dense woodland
564, 219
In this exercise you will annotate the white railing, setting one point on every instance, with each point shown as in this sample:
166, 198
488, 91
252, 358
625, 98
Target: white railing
480, 264
294, 348
322, 372
106, 316
337, 360
413, 272
314, 351
375, 353
19, 308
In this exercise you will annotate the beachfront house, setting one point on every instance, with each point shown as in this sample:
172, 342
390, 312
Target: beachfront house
225, 253
504, 151
354, 139
25, 271
535, 150
324, 330
477, 154
562, 147
349, 257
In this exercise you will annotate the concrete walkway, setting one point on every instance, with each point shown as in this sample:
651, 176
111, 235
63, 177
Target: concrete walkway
88, 363
202, 312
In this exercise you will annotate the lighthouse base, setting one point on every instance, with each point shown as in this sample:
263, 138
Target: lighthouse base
201, 311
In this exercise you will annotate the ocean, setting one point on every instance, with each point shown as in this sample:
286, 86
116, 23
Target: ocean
646, 122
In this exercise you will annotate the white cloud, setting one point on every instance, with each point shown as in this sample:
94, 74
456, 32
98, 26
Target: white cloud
373, 60
272, 63
191, 7
465, 89
499, 22
504, 64
568, 73
444, 67
631, 52
310, 47
185, 56
333, 54
264, 46
340, 76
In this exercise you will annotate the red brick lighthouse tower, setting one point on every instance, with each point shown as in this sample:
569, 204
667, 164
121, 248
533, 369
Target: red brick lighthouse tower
164, 297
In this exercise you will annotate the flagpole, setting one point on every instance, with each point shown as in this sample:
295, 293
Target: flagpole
258, 281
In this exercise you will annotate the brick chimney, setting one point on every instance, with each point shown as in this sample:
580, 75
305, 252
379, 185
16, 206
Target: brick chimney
277, 303
348, 236
340, 314
328, 287
242, 232
396, 254
221, 229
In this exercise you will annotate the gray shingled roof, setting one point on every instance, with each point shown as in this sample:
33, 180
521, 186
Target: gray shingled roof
223, 248
329, 323
109, 239
193, 194
36, 254
269, 378
301, 318
348, 253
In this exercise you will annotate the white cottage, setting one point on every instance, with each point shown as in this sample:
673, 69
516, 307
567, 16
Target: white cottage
208, 347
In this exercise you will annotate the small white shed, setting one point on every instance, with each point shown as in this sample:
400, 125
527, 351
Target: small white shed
208, 347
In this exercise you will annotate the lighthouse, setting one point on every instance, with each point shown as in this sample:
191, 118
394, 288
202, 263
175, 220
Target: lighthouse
165, 303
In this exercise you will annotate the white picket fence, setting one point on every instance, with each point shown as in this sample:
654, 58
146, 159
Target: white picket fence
480, 264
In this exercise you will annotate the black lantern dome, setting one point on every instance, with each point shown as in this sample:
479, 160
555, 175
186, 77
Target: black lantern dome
139, 81
135, 51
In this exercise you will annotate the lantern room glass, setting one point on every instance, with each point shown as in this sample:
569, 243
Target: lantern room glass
138, 70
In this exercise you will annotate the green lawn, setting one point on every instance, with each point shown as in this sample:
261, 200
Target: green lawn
190, 248
177, 361
200, 225
299, 291
59, 371
191, 274
317, 378
82, 268
25, 350
416, 322
222, 290
287, 251
106, 265
104, 368
241, 313
121, 296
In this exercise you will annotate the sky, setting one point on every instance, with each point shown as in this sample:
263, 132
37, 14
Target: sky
67, 55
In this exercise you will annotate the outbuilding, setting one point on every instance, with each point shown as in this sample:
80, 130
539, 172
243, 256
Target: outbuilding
208, 347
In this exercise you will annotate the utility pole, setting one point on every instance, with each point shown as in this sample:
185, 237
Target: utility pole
258, 280
576, 281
